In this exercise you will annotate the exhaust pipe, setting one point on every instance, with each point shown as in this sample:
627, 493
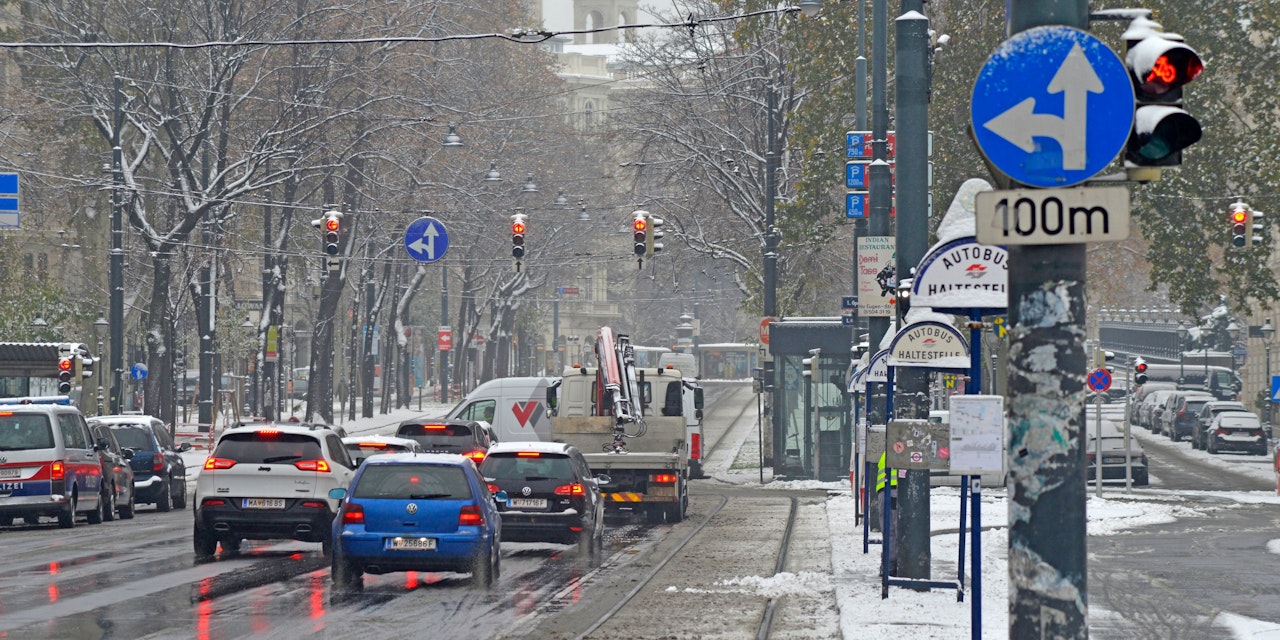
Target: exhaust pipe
222, 527
304, 528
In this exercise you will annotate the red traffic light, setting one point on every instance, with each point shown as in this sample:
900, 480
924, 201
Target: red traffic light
1239, 217
517, 227
1162, 65
65, 364
1141, 367
639, 224
332, 223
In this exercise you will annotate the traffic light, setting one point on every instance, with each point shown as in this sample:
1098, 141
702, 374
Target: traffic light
1241, 225
66, 367
1258, 230
331, 226
640, 232
1159, 64
86, 366
517, 235
1139, 372
653, 233
811, 363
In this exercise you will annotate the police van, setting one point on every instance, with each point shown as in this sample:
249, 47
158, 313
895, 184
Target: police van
48, 464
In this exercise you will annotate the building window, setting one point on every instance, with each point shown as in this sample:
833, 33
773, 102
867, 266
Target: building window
589, 113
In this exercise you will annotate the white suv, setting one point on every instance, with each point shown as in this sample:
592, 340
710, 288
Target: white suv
267, 482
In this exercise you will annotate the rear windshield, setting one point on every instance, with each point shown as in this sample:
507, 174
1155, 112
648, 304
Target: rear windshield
359, 453
271, 448
1194, 406
132, 436
413, 482
22, 432
456, 430
509, 466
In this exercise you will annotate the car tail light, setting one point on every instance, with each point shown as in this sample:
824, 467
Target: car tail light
373, 445
269, 432
321, 466
470, 516
352, 514
434, 427
313, 504
219, 463
664, 478
528, 454
695, 446
157, 462
493, 488
58, 470
213, 502
476, 456
574, 489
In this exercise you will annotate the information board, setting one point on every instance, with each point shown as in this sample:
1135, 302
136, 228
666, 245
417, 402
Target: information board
918, 444
977, 435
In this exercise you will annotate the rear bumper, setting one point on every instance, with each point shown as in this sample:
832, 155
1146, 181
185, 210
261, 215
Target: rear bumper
454, 551
33, 498
294, 522
1250, 444
149, 488
525, 526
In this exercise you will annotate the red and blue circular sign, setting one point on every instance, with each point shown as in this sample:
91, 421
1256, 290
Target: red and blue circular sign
1099, 380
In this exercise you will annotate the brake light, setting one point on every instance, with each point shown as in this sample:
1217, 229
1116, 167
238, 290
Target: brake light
213, 502
313, 504
695, 446
493, 488
157, 462
373, 445
528, 454
6, 413
470, 516
268, 432
664, 478
574, 489
434, 427
321, 466
219, 463
57, 470
476, 456
352, 514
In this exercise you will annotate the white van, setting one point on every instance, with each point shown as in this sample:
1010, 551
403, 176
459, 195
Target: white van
514, 407
685, 362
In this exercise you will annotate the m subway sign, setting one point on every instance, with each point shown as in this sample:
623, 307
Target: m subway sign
1052, 216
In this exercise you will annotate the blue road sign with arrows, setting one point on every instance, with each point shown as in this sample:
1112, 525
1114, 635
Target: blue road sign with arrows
1275, 388
1052, 106
426, 239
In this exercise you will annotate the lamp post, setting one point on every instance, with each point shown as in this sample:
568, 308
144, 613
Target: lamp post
1182, 336
247, 326
100, 332
1267, 331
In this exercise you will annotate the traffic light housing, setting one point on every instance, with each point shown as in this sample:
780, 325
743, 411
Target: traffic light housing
66, 368
517, 235
86, 366
1159, 65
652, 234
331, 232
1139, 372
1257, 230
1241, 225
640, 232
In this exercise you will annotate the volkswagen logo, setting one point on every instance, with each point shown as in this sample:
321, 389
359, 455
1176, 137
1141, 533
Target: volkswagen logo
526, 491
3, 459
411, 508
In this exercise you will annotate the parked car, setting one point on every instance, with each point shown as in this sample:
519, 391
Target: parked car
1208, 412
1142, 400
49, 467
362, 447
270, 482
1237, 431
159, 474
463, 437
1153, 408
117, 473
1181, 413
1113, 458
416, 512
553, 496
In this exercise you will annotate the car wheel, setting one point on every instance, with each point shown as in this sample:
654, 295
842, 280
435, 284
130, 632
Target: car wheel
109, 500
1212, 449
95, 516
587, 542
1175, 435
67, 517
326, 545
482, 569
165, 503
204, 543
126, 510
346, 575
180, 498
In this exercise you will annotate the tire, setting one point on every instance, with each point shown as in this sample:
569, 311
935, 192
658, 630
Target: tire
1175, 435
109, 505
126, 511
326, 545
231, 544
180, 498
482, 569
346, 575
95, 516
67, 518
204, 543
165, 503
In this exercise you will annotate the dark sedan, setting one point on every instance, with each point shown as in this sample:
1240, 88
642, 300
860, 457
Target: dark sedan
117, 474
160, 475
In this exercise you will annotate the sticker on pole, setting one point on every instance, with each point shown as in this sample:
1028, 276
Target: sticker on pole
1052, 107
1099, 380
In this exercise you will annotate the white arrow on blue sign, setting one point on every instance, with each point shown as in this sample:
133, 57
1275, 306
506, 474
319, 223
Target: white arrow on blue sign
426, 239
1052, 106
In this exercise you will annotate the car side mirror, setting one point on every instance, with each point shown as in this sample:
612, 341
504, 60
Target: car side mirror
603, 479
186, 446
102, 444
127, 453
500, 497
337, 493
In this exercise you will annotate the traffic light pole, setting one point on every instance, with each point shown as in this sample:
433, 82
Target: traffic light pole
1044, 453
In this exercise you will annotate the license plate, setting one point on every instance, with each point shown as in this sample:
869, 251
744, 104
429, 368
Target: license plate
411, 544
1106, 460
263, 503
14, 472
527, 503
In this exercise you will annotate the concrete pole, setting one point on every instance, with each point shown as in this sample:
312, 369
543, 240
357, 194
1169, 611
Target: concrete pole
1045, 448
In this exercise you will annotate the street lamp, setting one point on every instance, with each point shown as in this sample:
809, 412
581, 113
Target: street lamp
100, 331
452, 139
1182, 336
1267, 331
247, 326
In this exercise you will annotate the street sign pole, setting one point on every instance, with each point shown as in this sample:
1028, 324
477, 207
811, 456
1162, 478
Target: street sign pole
1047, 535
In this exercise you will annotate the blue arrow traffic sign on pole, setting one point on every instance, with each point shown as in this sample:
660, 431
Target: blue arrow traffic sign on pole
1052, 106
426, 239
1275, 388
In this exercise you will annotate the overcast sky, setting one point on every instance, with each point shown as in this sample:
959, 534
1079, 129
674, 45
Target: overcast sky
558, 14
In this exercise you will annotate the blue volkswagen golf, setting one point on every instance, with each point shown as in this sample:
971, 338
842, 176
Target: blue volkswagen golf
416, 512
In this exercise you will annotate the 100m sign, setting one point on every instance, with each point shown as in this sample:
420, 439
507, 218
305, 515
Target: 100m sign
1052, 216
